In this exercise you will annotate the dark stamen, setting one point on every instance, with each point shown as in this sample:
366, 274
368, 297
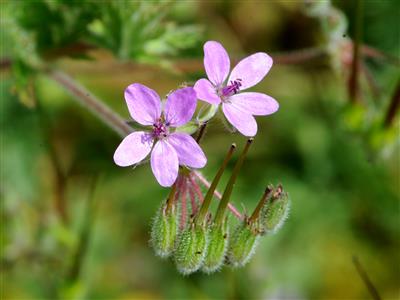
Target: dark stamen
233, 88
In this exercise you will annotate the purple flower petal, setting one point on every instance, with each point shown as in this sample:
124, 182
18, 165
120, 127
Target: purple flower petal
241, 120
189, 152
206, 91
255, 103
251, 70
133, 148
180, 106
216, 62
144, 104
164, 163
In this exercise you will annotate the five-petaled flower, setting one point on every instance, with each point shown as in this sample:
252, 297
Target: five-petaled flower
171, 149
238, 108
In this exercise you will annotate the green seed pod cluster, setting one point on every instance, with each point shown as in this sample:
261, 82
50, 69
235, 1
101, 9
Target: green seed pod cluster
218, 236
242, 245
275, 211
207, 243
164, 231
191, 248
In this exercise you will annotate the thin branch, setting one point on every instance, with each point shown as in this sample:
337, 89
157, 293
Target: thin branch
96, 106
364, 276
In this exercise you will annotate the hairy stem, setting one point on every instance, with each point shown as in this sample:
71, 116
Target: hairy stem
95, 105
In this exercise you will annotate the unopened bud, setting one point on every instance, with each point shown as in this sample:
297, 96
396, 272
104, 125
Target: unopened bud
164, 231
217, 248
242, 245
275, 211
191, 248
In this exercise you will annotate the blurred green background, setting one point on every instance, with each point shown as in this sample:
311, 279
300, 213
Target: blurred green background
76, 226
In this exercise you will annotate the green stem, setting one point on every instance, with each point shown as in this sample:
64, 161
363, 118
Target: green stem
229, 187
207, 199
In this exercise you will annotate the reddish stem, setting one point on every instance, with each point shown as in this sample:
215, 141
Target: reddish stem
193, 201
197, 190
183, 195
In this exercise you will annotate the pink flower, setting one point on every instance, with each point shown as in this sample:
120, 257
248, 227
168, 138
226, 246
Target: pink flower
171, 149
238, 108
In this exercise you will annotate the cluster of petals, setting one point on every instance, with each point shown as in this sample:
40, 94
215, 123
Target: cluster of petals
239, 108
168, 149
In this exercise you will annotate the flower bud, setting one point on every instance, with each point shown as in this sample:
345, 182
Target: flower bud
217, 248
191, 248
275, 211
242, 245
164, 231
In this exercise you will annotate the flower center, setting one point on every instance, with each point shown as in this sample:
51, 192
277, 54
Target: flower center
160, 129
231, 89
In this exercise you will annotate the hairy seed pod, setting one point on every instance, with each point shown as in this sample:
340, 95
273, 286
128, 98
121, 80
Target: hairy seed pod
164, 231
242, 245
217, 247
191, 248
275, 212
